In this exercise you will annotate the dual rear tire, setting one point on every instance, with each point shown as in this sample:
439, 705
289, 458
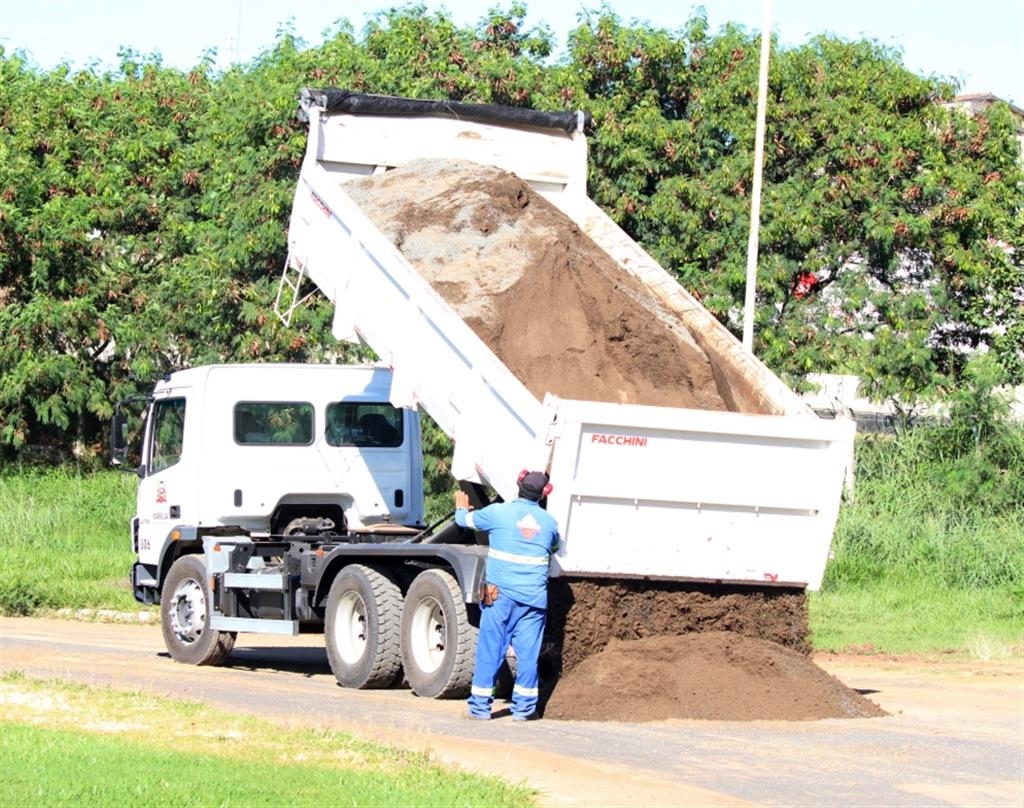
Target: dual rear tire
364, 608
438, 641
373, 634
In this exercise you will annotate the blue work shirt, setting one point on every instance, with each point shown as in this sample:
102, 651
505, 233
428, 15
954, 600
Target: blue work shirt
522, 538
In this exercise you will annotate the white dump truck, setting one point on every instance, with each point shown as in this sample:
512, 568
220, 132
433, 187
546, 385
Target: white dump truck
274, 512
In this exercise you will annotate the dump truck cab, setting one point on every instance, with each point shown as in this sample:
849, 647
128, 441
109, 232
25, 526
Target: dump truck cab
275, 450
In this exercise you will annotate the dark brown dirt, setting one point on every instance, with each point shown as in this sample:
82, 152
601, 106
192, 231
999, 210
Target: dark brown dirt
555, 308
628, 650
585, 615
572, 326
566, 319
716, 675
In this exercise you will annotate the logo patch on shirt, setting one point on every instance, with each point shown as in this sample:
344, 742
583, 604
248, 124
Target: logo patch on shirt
528, 527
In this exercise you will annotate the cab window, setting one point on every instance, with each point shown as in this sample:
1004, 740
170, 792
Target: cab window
360, 423
167, 435
274, 423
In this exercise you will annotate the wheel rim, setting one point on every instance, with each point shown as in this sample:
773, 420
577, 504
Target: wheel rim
428, 635
350, 628
188, 611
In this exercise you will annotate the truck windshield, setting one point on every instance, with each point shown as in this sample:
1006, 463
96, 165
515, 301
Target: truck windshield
275, 423
360, 423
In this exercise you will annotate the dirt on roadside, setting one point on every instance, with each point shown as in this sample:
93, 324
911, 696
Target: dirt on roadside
586, 614
717, 675
647, 651
566, 319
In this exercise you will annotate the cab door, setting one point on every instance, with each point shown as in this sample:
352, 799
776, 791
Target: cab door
164, 484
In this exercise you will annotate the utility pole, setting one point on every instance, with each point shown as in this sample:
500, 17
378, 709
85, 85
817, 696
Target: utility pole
755, 194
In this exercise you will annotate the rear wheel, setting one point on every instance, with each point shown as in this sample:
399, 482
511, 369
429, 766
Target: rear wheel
185, 606
438, 641
361, 628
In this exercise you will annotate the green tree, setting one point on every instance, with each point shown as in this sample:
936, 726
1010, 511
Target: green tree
144, 211
891, 236
421, 55
95, 195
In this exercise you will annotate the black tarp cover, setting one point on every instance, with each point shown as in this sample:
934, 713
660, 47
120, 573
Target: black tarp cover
334, 100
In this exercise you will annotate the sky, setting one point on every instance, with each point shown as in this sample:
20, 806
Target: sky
979, 43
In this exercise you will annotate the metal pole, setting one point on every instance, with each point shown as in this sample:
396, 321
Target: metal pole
755, 194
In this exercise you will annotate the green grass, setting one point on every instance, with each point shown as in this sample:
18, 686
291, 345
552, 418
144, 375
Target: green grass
918, 617
929, 553
64, 538
70, 745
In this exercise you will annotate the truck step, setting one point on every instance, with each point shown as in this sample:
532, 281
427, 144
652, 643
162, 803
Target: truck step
254, 625
266, 582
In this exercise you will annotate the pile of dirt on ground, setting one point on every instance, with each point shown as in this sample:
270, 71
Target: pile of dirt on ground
584, 615
715, 675
554, 307
630, 650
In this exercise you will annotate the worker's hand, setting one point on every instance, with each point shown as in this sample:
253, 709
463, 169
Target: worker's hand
461, 500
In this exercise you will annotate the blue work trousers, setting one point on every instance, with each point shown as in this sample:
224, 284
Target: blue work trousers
507, 622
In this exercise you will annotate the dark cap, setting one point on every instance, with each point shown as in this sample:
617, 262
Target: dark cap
533, 485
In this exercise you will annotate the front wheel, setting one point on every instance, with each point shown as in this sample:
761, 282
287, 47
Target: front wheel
361, 628
185, 605
438, 641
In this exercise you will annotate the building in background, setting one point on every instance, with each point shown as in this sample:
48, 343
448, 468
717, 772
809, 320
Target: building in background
977, 103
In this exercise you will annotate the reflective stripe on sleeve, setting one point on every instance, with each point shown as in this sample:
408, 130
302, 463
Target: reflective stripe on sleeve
515, 558
469, 520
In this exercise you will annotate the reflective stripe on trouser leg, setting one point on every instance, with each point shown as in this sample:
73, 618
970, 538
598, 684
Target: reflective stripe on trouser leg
491, 645
527, 635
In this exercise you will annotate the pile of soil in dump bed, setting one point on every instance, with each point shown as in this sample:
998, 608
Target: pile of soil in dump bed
715, 675
554, 307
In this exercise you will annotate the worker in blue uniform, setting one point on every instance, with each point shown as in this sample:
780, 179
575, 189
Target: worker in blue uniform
514, 600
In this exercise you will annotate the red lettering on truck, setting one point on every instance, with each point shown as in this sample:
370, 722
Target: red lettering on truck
618, 440
320, 204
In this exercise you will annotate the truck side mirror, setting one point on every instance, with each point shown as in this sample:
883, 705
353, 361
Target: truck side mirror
118, 438
122, 435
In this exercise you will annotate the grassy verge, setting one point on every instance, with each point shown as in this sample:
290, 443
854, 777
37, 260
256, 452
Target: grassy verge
64, 536
63, 744
929, 553
918, 618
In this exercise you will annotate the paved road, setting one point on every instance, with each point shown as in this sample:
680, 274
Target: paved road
954, 736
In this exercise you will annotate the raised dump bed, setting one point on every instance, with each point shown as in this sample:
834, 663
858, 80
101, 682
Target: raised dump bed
458, 242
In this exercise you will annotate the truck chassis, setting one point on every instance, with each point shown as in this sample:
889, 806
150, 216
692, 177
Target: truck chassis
385, 607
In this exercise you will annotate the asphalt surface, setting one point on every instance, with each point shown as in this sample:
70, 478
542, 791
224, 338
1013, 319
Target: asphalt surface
954, 735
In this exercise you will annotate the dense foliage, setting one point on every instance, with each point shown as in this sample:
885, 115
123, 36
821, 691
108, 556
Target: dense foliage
942, 503
891, 236
143, 211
